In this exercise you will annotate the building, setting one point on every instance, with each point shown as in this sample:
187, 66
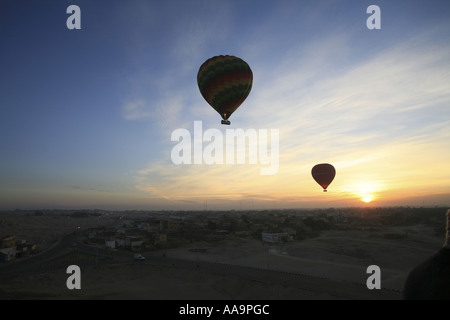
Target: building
134, 243
110, 244
23, 249
274, 237
7, 248
7, 254
8, 242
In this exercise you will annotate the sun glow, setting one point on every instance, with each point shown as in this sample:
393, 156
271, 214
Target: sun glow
365, 192
367, 198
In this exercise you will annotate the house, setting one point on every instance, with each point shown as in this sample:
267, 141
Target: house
110, 244
8, 242
7, 248
22, 249
274, 237
7, 254
120, 241
134, 243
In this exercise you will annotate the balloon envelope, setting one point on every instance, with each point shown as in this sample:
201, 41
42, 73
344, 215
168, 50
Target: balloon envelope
225, 82
324, 174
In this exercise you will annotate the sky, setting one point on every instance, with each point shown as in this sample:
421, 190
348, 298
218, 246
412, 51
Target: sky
88, 115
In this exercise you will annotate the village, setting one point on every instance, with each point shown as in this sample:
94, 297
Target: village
143, 231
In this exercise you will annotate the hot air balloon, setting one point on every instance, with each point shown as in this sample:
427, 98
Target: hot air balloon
323, 173
225, 82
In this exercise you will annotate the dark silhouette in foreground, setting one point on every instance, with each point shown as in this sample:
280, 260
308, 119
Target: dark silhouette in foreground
430, 280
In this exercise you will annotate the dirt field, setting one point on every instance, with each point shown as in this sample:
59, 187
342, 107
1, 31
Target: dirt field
337, 255
137, 282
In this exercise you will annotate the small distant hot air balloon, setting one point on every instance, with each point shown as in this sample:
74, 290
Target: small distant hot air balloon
225, 82
323, 173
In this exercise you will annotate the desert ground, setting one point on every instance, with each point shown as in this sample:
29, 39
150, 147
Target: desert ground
45, 230
335, 255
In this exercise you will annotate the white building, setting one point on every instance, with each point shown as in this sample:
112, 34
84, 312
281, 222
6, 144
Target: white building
110, 244
8, 254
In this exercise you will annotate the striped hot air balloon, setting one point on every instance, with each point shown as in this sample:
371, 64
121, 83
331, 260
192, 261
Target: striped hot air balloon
225, 82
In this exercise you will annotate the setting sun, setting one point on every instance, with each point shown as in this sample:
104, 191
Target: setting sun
367, 198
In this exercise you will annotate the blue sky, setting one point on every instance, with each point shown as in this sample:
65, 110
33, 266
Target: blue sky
87, 115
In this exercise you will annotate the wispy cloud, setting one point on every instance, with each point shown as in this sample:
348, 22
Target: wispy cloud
369, 104
367, 119
136, 110
163, 112
170, 96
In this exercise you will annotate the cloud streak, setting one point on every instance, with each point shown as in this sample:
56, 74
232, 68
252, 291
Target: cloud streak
373, 120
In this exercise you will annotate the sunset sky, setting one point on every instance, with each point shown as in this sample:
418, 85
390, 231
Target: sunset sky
87, 115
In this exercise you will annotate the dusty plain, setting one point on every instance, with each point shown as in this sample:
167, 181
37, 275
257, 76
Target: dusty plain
340, 255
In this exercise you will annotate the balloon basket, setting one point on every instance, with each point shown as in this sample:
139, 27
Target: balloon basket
227, 122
